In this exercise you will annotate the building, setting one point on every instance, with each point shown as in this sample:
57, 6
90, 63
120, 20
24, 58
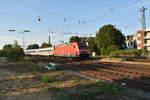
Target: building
130, 41
143, 39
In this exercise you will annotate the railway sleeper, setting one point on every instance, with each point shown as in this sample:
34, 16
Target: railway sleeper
114, 74
130, 83
113, 70
102, 76
124, 70
133, 71
131, 66
121, 73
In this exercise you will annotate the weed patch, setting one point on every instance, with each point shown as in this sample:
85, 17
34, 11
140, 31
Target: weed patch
47, 79
91, 91
24, 67
63, 97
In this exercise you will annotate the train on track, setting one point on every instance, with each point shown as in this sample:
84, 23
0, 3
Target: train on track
75, 49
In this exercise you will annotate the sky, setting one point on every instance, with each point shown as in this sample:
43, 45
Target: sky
62, 19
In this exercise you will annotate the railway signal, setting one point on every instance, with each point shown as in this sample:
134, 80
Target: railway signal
11, 30
39, 19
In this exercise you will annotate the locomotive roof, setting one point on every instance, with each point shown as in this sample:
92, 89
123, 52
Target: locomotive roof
41, 49
65, 44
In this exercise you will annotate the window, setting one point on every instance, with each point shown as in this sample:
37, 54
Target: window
138, 41
148, 48
139, 35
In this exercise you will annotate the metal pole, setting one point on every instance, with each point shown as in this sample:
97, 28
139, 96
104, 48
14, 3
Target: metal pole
143, 19
23, 41
23, 38
49, 39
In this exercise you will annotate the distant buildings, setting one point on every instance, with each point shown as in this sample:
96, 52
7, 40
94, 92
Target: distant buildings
143, 39
130, 41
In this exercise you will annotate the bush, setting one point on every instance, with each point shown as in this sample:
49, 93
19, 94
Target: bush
15, 54
127, 53
1, 53
146, 54
111, 48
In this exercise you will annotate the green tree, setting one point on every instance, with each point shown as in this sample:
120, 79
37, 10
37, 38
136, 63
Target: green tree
74, 39
92, 45
109, 39
45, 45
1, 53
33, 46
84, 39
13, 52
6, 49
16, 45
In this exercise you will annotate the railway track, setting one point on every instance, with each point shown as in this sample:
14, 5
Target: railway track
128, 82
146, 67
123, 71
116, 74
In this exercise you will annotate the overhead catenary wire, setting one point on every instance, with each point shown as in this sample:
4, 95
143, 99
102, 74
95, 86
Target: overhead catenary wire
34, 7
79, 21
136, 20
72, 19
65, 19
112, 10
46, 11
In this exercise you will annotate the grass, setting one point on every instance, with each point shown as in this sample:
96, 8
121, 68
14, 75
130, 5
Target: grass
68, 86
89, 91
92, 90
46, 79
50, 77
63, 97
126, 53
24, 66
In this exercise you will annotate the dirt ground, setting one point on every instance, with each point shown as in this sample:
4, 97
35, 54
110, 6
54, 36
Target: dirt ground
27, 82
10, 85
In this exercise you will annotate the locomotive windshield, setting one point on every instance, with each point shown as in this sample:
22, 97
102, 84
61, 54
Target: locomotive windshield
83, 45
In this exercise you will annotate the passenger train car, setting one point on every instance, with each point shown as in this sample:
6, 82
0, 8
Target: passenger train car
75, 49
40, 52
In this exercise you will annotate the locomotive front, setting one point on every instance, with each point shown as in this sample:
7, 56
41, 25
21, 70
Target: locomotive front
83, 49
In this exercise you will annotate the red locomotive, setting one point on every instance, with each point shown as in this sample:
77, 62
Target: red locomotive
75, 49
